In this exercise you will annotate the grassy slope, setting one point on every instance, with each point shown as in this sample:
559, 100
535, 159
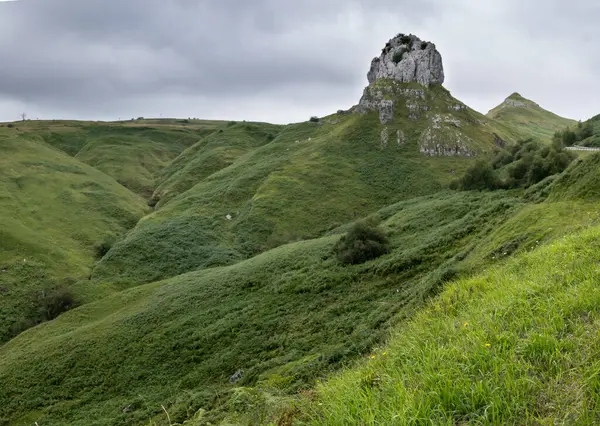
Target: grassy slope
211, 154
134, 153
518, 344
529, 119
285, 317
53, 209
190, 333
309, 178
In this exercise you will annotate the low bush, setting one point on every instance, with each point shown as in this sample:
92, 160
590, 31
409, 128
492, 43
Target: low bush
314, 119
522, 165
362, 243
46, 305
570, 137
102, 248
479, 176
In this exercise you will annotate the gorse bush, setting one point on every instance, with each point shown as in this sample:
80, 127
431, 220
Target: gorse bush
362, 242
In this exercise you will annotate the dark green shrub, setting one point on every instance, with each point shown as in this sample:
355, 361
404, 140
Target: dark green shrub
10, 125
502, 159
480, 176
586, 131
102, 248
405, 39
46, 305
398, 56
53, 302
152, 202
361, 243
314, 119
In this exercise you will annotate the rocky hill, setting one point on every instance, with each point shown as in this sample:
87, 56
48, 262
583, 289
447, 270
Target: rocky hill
407, 59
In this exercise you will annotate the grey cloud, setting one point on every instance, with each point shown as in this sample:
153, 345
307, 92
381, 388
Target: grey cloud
224, 58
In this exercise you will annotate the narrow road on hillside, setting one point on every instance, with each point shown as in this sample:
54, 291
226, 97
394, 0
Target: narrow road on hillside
581, 148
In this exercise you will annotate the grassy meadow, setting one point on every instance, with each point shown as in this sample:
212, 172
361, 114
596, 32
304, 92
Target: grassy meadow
202, 258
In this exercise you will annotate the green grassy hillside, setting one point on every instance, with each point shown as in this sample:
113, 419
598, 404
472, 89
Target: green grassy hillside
255, 186
516, 345
211, 154
233, 269
134, 153
284, 317
53, 210
528, 118
176, 343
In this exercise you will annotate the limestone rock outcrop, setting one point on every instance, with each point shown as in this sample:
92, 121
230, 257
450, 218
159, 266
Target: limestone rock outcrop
407, 59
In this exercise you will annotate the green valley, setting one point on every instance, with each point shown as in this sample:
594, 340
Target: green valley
406, 261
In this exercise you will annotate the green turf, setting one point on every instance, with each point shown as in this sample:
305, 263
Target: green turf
134, 153
177, 342
256, 186
516, 345
246, 216
53, 210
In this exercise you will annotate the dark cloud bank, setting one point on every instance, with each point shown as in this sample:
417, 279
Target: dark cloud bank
280, 61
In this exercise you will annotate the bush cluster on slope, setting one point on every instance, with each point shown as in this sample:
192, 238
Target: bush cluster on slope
570, 137
362, 242
520, 166
46, 305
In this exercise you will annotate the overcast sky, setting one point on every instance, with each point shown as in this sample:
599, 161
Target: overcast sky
283, 60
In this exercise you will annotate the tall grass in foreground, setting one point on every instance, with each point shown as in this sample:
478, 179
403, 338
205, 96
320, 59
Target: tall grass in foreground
519, 344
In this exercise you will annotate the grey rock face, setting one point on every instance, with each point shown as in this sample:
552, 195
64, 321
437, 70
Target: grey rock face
443, 138
236, 377
380, 99
407, 59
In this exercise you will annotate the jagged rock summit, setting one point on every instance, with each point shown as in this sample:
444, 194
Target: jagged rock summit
404, 60
407, 59
415, 110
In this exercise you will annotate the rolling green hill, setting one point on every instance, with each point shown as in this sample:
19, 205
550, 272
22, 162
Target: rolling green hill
177, 342
134, 153
528, 118
251, 186
53, 211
